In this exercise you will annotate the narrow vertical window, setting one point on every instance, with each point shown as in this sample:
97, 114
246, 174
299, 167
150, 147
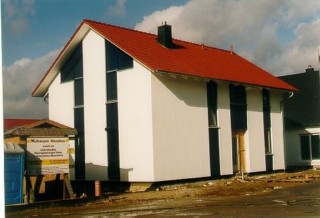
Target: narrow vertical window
238, 105
267, 120
112, 126
212, 103
213, 129
111, 86
72, 70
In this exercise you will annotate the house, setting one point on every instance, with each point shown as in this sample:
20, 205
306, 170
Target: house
152, 108
302, 118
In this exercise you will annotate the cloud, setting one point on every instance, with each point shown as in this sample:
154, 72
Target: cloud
117, 10
273, 34
16, 14
19, 80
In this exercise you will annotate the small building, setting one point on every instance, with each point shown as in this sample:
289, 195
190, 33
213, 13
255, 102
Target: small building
302, 116
48, 148
152, 108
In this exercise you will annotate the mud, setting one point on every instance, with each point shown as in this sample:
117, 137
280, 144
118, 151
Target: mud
262, 194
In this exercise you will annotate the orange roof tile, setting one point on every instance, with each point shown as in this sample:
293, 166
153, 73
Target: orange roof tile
186, 58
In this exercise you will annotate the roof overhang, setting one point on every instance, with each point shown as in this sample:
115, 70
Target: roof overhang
54, 69
186, 76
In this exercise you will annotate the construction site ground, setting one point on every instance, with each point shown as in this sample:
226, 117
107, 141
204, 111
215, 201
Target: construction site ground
241, 185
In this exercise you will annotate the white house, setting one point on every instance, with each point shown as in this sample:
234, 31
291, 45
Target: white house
151, 108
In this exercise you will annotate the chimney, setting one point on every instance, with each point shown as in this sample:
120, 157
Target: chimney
165, 35
309, 69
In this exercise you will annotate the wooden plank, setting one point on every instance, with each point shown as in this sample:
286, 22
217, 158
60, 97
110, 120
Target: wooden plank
68, 186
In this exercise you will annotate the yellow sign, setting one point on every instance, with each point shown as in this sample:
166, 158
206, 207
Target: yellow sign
47, 156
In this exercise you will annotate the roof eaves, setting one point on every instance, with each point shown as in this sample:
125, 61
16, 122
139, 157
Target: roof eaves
52, 72
182, 75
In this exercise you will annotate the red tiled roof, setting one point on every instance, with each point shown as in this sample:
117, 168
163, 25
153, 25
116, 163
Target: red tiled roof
12, 123
187, 58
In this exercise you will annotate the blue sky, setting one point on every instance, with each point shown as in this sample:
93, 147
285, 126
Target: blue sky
282, 37
47, 24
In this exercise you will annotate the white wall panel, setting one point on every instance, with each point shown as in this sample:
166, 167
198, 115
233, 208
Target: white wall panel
94, 73
254, 140
61, 102
277, 130
180, 128
224, 124
135, 124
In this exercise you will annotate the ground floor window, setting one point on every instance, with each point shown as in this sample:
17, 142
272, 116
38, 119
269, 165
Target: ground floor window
310, 147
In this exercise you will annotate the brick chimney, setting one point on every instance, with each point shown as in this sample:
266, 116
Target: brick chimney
165, 35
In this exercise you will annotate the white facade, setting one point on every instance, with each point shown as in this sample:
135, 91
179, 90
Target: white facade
293, 149
255, 155
180, 128
163, 122
135, 124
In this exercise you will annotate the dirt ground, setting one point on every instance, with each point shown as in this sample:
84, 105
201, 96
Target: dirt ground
232, 186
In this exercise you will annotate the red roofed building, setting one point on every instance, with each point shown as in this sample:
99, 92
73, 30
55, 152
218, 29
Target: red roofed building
152, 108
12, 123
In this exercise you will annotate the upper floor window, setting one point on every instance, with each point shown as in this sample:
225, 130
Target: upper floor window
111, 85
266, 120
73, 68
238, 106
78, 92
117, 59
212, 103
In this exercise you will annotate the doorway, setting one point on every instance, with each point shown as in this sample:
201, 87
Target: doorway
238, 152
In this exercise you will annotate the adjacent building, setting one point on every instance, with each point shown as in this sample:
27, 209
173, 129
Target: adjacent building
302, 115
152, 108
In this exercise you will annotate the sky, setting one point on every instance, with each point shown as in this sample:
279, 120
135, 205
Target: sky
280, 36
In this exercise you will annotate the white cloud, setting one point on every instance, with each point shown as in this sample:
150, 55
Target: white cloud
117, 10
303, 51
19, 80
16, 15
256, 29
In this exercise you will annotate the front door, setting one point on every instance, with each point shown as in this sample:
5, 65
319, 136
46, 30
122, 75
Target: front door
238, 152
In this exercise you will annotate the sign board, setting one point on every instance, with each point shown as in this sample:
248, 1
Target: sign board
47, 156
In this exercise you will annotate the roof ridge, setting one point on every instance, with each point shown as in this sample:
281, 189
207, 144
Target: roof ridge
120, 27
140, 31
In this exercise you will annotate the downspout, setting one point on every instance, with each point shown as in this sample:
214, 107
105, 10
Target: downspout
284, 131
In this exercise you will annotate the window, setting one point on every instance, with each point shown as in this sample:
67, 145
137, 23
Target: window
212, 103
238, 105
267, 120
310, 147
73, 68
78, 92
112, 126
111, 85
117, 59
315, 147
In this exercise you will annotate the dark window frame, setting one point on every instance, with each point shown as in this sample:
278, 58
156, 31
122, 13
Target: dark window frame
238, 107
116, 59
212, 100
310, 147
73, 67
267, 121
